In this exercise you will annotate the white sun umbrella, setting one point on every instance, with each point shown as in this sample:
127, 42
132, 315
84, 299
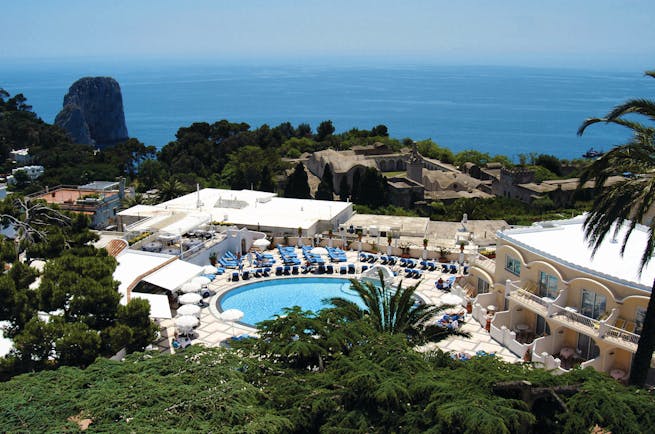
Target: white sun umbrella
452, 299
319, 251
186, 323
190, 298
189, 309
201, 280
190, 287
261, 243
232, 315
209, 269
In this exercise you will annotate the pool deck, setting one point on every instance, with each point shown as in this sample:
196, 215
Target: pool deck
212, 329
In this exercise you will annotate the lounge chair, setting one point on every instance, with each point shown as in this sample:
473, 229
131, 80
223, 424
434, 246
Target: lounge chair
329, 269
257, 272
278, 271
418, 274
321, 269
235, 276
409, 272
364, 268
287, 270
343, 269
445, 268
351, 269
294, 269
245, 275
266, 272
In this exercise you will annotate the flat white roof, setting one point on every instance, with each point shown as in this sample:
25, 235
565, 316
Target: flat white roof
563, 241
159, 306
246, 207
174, 275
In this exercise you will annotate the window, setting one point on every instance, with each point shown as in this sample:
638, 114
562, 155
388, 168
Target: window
513, 265
547, 285
483, 286
587, 348
639, 319
593, 305
542, 328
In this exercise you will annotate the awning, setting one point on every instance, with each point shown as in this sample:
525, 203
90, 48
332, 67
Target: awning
174, 275
159, 306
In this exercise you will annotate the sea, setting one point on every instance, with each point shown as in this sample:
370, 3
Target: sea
507, 110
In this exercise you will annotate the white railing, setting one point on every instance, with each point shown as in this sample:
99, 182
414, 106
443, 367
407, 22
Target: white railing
593, 363
520, 292
485, 263
621, 334
576, 317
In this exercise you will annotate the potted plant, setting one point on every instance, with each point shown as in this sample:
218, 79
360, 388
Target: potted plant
425, 243
443, 254
213, 258
405, 250
461, 244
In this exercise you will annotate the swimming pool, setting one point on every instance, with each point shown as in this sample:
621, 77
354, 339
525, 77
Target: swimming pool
259, 301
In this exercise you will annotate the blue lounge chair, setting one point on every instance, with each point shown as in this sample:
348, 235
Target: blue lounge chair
351, 269
257, 272
235, 276
403, 262
278, 271
343, 269
432, 266
321, 269
287, 270
445, 268
409, 272
245, 274
418, 274
266, 272
453, 269
294, 269
329, 269
364, 268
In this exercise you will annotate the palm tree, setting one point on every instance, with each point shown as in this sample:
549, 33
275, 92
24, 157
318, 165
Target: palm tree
171, 189
626, 202
394, 311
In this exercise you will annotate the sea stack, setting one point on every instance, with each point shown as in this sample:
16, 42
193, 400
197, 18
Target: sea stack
93, 112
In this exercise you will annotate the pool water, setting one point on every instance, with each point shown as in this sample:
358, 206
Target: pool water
260, 301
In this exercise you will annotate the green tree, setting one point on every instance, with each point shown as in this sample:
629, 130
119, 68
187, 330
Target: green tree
393, 310
171, 189
626, 203
136, 316
325, 189
344, 189
324, 130
151, 173
550, 162
380, 130
372, 189
297, 184
266, 180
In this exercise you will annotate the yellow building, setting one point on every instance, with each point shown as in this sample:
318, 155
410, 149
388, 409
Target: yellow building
549, 300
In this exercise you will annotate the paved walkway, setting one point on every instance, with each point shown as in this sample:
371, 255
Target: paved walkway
212, 329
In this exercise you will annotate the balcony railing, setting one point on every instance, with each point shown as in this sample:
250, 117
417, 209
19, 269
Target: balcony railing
520, 292
624, 335
485, 263
571, 315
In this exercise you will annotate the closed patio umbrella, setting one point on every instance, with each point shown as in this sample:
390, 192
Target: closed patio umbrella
190, 298
319, 251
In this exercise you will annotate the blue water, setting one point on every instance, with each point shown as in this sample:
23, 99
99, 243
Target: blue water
261, 300
500, 110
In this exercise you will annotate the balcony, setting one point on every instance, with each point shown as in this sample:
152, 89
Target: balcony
557, 311
488, 265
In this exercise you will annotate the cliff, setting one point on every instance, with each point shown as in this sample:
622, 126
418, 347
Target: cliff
93, 112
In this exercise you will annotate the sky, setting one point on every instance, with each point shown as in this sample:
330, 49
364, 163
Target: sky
604, 33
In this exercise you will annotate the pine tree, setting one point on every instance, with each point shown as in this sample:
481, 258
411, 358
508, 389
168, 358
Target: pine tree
344, 189
297, 185
326, 187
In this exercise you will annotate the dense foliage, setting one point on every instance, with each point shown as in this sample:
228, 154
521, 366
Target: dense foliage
379, 384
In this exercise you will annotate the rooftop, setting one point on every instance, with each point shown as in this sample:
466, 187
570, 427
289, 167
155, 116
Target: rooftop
243, 208
563, 241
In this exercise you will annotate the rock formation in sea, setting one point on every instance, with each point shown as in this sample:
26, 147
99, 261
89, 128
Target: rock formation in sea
93, 112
